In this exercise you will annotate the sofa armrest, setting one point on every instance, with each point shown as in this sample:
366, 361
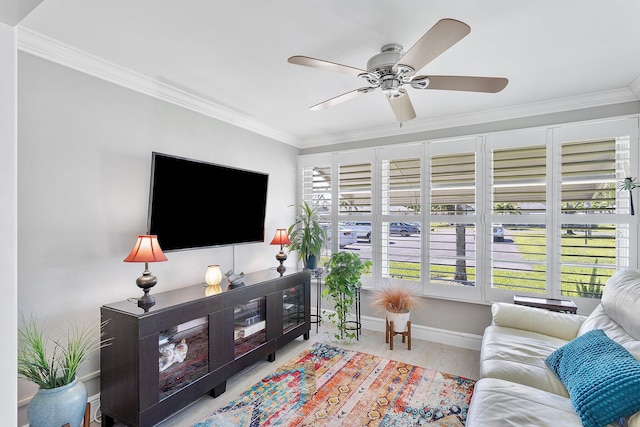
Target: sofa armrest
560, 325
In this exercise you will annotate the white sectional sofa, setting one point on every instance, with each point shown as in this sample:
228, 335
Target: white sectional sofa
600, 379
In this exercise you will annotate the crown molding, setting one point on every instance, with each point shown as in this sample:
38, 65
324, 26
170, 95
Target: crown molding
634, 87
47, 48
596, 99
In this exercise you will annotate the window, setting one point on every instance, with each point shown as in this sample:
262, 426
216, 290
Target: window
355, 189
401, 201
452, 251
533, 211
519, 203
591, 244
317, 190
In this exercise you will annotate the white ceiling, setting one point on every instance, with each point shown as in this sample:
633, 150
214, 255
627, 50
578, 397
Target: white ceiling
230, 58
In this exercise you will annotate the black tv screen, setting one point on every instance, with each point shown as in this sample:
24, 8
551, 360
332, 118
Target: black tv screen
195, 204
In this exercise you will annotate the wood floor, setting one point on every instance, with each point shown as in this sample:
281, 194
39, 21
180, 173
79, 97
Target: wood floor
431, 355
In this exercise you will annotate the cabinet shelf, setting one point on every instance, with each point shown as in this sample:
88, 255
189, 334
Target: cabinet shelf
202, 341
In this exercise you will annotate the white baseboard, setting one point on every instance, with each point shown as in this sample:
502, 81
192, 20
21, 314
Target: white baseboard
442, 336
426, 333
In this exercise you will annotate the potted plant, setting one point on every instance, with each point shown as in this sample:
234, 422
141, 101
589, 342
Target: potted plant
52, 363
307, 236
342, 284
398, 302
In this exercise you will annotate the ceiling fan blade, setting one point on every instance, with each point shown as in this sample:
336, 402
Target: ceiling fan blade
325, 65
464, 83
444, 34
341, 98
402, 107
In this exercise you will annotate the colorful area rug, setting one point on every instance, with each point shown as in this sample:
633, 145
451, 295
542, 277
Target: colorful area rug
332, 386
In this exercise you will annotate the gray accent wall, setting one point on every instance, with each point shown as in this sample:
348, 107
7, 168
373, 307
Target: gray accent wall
83, 160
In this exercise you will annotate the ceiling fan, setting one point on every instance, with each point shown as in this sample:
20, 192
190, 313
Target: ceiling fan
391, 69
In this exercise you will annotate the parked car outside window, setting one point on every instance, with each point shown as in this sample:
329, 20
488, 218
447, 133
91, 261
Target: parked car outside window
498, 233
403, 228
346, 236
361, 228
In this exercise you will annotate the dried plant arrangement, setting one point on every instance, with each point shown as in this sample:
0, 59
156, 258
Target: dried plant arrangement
395, 299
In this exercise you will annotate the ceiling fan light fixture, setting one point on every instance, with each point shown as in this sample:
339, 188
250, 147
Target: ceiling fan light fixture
393, 94
420, 82
390, 87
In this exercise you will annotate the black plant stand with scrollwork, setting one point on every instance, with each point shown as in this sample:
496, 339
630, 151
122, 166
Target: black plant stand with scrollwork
354, 325
316, 274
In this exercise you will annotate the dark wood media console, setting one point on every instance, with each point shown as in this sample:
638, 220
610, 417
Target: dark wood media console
188, 345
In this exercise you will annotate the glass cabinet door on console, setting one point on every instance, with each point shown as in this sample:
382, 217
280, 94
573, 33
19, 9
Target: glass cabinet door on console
293, 309
249, 326
183, 355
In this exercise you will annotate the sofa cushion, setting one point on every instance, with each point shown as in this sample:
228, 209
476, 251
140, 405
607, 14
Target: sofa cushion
603, 379
519, 356
502, 403
598, 319
559, 325
621, 300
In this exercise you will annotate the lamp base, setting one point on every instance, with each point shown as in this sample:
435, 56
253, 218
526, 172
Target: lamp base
146, 282
146, 301
282, 257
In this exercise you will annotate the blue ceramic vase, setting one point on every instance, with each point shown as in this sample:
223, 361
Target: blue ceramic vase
311, 262
55, 407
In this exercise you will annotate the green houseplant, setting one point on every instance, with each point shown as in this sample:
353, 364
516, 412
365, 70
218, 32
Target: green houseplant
52, 363
342, 284
307, 235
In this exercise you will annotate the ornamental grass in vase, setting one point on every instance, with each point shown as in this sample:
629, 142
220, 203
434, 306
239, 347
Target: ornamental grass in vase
398, 302
52, 363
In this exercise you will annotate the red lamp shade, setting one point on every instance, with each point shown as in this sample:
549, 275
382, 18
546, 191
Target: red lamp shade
146, 249
281, 237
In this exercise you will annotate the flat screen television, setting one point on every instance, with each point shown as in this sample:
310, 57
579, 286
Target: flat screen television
195, 204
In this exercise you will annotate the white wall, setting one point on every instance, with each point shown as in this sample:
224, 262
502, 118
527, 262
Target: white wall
84, 156
8, 227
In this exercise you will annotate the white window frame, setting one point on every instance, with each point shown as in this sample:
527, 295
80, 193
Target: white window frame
483, 144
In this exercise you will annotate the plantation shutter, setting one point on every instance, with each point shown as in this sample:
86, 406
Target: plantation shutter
519, 207
401, 203
453, 183
316, 189
592, 247
401, 186
519, 180
589, 177
355, 188
452, 252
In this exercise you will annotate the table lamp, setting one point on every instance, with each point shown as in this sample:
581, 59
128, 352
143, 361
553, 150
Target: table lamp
281, 238
147, 249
